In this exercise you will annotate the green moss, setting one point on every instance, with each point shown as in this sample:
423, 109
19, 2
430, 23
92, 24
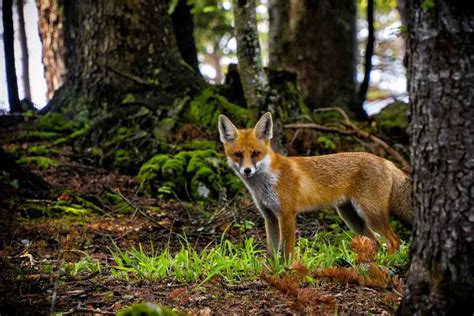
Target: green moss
125, 134
42, 150
53, 122
166, 125
196, 144
118, 203
392, 124
122, 159
73, 209
34, 209
326, 142
293, 100
75, 206
205, 109
24, 136
148, 309
394, 115
39, 161
129, 98
428, 5
199, 173
97, 153
82, 132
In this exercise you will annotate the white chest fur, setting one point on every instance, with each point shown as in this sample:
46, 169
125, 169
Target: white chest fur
262, 184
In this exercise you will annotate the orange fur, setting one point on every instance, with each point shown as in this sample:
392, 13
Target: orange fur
363, 187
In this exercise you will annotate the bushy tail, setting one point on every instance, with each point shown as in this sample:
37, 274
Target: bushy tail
401, 196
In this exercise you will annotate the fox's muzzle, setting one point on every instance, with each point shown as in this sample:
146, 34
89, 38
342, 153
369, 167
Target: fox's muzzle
247, 171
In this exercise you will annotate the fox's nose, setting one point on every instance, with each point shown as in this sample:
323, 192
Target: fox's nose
247, 170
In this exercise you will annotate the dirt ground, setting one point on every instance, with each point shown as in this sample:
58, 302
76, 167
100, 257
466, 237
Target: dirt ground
29, 243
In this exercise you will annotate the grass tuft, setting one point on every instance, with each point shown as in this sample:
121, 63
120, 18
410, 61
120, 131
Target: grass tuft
230, 262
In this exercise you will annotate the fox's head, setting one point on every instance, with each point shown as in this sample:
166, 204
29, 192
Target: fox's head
247, 150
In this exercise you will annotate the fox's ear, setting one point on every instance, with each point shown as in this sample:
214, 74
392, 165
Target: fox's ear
227, 130
264, 127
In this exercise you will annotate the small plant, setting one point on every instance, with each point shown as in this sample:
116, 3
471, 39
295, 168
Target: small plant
85, 265
244, 226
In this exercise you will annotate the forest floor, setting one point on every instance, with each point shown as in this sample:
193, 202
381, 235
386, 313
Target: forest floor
56, 258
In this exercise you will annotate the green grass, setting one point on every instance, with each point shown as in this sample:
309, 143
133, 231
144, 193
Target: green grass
85, 265
234, 263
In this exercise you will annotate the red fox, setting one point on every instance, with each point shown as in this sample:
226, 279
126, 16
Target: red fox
363, 188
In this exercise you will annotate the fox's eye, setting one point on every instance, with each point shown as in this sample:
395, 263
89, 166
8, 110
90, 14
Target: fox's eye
255, 154
238, 154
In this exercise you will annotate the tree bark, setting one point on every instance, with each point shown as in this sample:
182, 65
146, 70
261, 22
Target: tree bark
51, 30
369, 52
8, 39
254, 79
278, 33
118, 47
440, 52
183, 26
24, 50
317, 40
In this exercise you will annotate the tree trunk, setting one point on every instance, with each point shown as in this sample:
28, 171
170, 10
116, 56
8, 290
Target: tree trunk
51, 30
254, 79
278, 34
440, 51
118, 47
369, 52
183, 26
24, 50
317, 40
8, 39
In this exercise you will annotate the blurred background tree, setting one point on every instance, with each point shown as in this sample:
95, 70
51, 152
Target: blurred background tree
215, 44
107, 64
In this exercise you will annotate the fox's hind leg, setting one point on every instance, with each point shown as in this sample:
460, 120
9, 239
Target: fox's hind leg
356, 222
377, 220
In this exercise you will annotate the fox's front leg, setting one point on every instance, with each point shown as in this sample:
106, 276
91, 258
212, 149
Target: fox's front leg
273, 232
287, 221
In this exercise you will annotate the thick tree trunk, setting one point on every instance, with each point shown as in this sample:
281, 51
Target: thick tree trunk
440, 52
51, 30
24, 50
254, 79
8, 39
183, 26
118, 47
317, 40
278, 34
